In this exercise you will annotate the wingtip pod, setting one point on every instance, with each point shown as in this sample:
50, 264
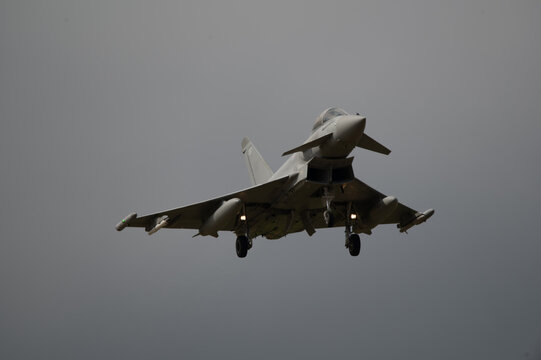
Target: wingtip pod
428, 214
125, 222
419, 219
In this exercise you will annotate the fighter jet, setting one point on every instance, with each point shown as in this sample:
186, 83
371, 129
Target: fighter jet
314, 188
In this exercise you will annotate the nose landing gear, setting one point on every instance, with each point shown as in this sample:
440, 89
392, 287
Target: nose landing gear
328, 215
329, 218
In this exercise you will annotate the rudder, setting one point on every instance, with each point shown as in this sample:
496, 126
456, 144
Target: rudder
258, 168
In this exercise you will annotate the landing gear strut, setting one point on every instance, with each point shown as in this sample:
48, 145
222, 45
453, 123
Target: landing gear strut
329, 218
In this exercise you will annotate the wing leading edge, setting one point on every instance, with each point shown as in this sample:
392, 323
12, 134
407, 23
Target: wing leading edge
369, 196
368, 203
193, 216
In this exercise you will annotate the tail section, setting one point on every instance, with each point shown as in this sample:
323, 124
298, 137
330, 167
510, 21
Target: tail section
259, 170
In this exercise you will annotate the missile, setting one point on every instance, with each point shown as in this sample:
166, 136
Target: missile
226, 212
125, 222
419, 219
163, 222
382, 210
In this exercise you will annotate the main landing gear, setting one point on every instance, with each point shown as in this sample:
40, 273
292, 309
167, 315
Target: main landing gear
242, 245
353, 241
353, 244
244, 242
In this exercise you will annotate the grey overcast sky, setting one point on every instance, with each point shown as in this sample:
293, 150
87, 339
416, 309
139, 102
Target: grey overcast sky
113, 106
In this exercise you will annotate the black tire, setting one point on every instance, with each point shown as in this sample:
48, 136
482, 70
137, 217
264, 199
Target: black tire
241, 245
354, 245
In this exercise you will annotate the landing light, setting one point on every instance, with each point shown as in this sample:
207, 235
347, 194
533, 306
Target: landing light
353, 216
243, 218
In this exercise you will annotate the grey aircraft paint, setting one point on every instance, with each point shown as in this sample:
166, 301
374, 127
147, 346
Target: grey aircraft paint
109, 106
314, 188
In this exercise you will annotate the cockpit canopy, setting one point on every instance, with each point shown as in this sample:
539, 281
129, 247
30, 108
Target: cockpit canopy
327, 115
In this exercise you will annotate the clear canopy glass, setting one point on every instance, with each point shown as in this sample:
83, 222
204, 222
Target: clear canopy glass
327, 115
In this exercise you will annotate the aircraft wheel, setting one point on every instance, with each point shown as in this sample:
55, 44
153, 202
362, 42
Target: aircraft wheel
354, 245
329, 218
241, 245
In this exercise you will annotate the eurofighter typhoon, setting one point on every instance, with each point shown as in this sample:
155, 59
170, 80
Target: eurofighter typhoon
314, 188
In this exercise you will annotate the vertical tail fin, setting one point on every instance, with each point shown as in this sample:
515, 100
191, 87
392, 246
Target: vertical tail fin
259, 170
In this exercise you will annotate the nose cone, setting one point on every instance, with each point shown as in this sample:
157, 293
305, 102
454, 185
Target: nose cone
350, 128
